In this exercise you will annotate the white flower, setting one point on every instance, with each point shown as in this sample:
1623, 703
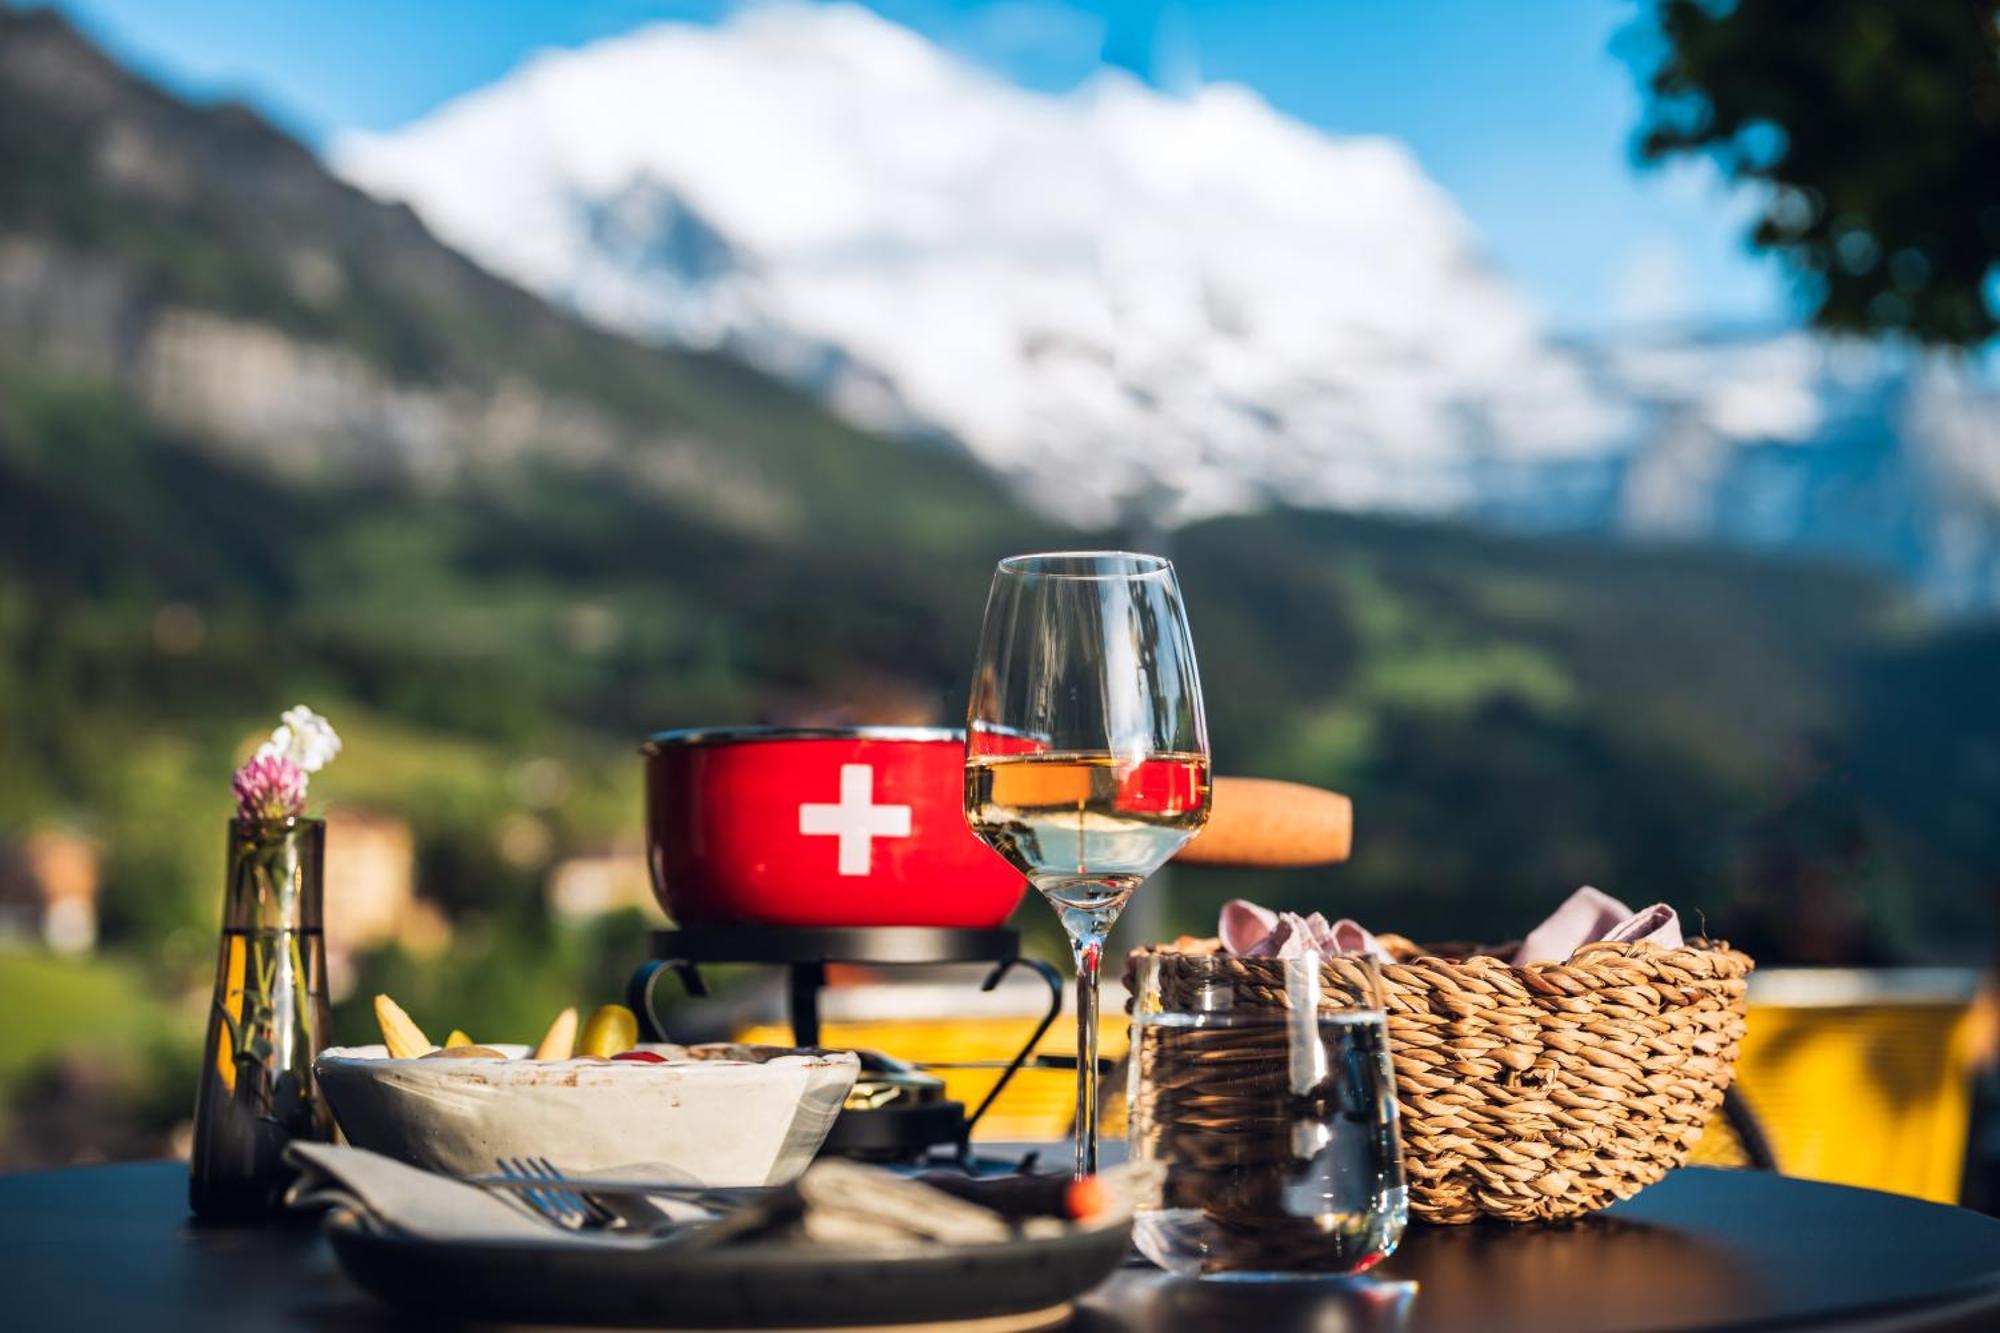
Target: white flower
305, 738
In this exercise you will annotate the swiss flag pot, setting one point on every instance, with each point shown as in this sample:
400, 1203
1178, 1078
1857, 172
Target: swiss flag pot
860, 826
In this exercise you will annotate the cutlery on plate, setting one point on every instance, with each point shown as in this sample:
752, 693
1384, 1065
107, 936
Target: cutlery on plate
546, 1190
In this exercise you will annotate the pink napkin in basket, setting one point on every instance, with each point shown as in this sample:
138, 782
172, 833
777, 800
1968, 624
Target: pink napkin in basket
1250, 931
1589, 916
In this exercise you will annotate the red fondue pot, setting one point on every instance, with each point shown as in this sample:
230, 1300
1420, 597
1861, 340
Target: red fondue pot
853, 826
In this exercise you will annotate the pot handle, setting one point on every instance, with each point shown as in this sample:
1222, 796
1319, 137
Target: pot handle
1263, 822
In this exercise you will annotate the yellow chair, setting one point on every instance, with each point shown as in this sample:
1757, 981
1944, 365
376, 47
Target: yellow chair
1859, 1077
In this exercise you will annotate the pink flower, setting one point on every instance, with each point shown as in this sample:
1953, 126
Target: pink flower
269, 787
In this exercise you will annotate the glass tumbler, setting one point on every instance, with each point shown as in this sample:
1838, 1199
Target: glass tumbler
1263, 1102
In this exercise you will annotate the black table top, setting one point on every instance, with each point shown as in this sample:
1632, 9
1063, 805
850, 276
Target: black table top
113, 1248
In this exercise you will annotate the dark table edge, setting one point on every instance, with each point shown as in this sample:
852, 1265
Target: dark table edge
1967, 1305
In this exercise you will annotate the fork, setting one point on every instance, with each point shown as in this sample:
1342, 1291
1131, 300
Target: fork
549, 1192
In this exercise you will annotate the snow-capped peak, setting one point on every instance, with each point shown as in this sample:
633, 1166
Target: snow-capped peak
1157, 307
1116, 297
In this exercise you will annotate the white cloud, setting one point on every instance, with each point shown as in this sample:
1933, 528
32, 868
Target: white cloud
1653, 284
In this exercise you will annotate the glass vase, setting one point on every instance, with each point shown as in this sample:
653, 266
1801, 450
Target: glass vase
267, 1022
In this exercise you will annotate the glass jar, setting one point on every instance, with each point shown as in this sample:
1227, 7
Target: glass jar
267, 1022
1263, 1100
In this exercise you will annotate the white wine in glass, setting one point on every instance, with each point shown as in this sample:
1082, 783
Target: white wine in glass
1086, 749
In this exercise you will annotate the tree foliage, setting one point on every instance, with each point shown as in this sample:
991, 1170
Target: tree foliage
1876, 126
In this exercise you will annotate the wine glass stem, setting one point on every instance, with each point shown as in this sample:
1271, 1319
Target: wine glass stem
1089, 953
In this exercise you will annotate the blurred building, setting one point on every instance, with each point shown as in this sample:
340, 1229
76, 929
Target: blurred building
606, 880
371, 899
48, 890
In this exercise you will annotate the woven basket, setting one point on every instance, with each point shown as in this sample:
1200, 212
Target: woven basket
1524, 1093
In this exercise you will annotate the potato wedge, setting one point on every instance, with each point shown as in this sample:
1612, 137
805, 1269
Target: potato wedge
466, 1053
400, 1032
560, 1041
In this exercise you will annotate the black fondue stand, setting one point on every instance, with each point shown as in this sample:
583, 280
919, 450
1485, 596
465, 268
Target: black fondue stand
891, 1132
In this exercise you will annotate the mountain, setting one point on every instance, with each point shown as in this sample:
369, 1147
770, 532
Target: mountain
287, 323
228, 380
1110, 296
1152, 308
265, 438
1787, 444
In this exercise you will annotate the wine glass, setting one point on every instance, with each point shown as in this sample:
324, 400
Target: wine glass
1086, 760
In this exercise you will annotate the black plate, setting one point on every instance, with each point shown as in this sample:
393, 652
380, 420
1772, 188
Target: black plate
752, 1285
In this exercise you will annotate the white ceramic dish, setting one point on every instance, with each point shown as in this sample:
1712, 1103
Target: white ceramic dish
726, 1115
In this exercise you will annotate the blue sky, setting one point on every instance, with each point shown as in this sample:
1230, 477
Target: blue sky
1524, 112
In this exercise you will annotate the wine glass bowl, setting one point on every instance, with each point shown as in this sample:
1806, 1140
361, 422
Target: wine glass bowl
1086, 748
1086, 828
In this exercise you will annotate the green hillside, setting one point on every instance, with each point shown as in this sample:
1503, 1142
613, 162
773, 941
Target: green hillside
1791, 754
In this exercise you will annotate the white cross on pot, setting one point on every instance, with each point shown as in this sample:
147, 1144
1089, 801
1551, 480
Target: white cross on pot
857, 821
